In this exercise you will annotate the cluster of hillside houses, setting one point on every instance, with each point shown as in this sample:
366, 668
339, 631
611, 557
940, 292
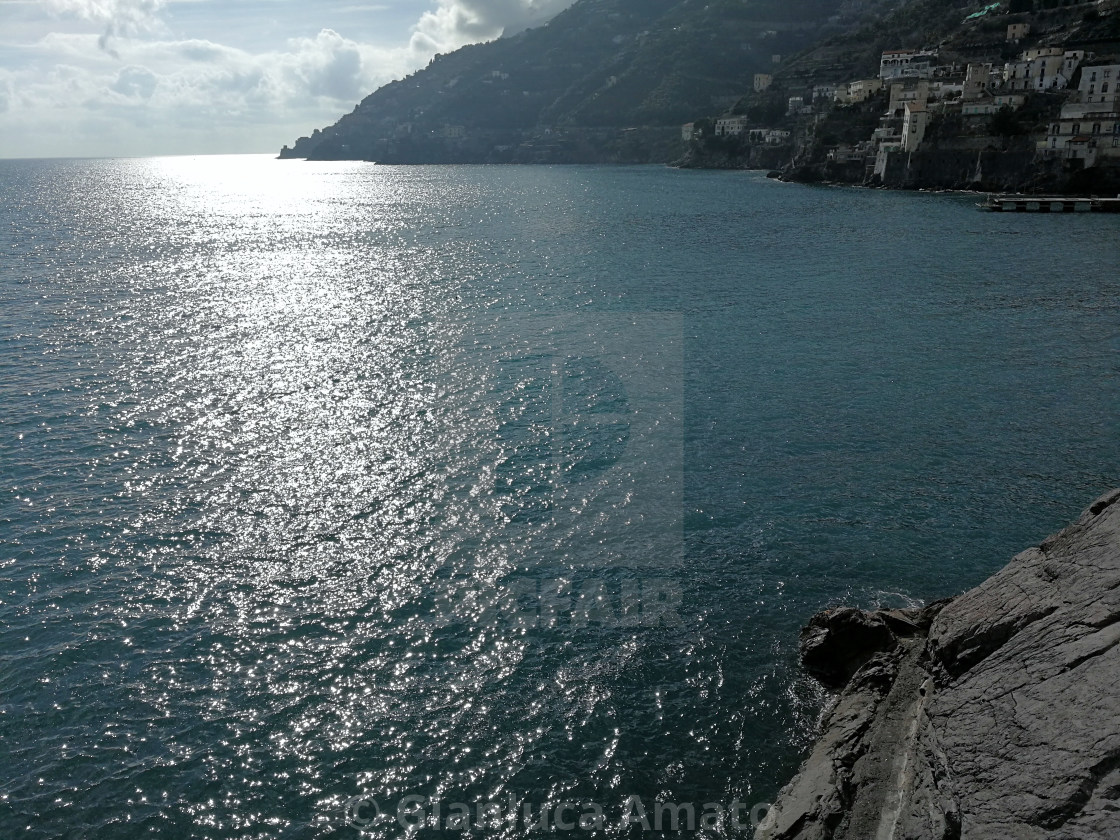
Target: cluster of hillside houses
920, 86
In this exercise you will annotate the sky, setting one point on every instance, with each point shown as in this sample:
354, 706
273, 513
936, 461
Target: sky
124, 78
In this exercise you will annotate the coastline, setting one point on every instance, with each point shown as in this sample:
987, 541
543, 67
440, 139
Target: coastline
1015, 174
991, 714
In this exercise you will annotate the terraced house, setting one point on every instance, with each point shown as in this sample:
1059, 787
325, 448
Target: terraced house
1089, 126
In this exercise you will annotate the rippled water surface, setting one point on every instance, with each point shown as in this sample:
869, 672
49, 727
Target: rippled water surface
495, 484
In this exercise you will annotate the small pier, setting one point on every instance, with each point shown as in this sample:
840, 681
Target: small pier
1045, 204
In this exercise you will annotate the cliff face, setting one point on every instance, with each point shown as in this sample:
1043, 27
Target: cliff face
993, 715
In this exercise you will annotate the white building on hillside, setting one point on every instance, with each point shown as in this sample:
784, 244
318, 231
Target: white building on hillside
1043, 68
730, 126
914, 126
991, 103
886, 149
899, 64
797, 106
902, 93
946, 90
1099, 85
858, 91
978, 79
1089, 126
1071, 60
769, 136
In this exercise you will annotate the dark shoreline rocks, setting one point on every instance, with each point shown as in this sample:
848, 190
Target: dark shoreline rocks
992, 715
992, 171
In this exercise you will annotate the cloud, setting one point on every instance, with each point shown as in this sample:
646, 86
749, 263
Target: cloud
457, 22
196, 50
115, 82
135, 83
121, 18
329, 65
124, 15
174, 96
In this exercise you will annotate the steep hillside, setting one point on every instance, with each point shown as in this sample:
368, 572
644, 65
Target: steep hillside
605, 79
827, 116
951, 27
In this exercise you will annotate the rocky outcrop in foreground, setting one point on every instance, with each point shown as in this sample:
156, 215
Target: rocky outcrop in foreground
992, 715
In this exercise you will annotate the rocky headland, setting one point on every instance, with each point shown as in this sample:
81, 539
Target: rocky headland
995, 714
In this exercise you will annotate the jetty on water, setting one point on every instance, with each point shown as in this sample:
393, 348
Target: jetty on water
1044, 204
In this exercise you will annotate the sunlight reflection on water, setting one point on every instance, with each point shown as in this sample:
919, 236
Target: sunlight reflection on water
332, 479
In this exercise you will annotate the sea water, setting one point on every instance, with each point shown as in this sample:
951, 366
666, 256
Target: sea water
343, 500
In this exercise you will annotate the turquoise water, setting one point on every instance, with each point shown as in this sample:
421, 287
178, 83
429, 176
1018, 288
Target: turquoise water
332, 484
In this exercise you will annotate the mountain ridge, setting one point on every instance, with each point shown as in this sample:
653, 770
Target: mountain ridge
597, 71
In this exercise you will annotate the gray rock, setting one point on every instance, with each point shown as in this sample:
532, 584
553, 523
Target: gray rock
837, 643
993, 715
